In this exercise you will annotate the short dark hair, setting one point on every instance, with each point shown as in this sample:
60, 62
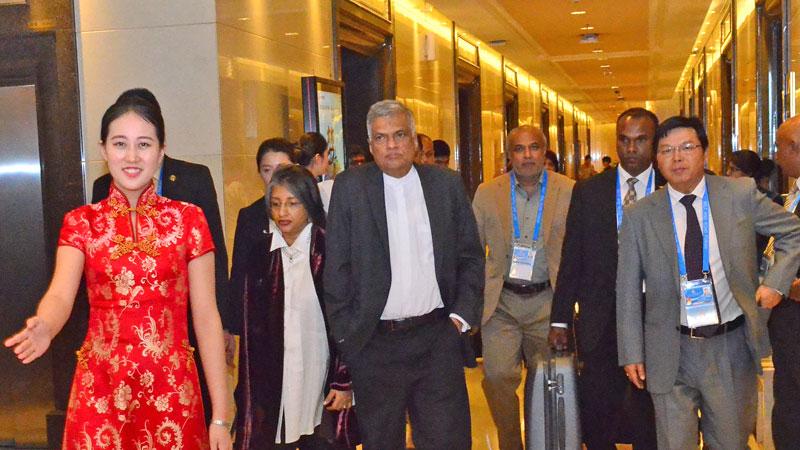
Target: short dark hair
140, 93
553, 157
765, 169
276, 145
588, 157
440, 148
639, 113
310, 145
142, 108
682, 122
606, 159
299, 181
747, 161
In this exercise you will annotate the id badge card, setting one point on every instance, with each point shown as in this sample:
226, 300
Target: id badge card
698, 297
522, 257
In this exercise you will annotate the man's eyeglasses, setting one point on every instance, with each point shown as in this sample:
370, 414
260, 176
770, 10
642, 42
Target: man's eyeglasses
668, 150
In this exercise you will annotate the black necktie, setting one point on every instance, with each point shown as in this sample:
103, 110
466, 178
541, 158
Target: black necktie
693, 244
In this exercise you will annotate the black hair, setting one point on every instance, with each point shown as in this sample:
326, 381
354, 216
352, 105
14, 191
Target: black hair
553, 157
440, 148
142, 108
682, 122
276, 145
747, 161
140, 93
588, 157
310, 145
765, 169
639, 113
299, 181
606, 159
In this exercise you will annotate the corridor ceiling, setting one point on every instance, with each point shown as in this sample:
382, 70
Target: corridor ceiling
642, 46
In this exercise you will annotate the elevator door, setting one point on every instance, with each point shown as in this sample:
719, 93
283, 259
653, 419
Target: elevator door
26, 395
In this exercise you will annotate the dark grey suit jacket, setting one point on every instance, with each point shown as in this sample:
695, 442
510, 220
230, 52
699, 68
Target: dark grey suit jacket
357, 267
647, 251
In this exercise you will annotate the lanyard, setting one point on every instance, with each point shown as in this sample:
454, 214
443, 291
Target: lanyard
793, 206
681, 261
647, 192
514, 215
160, 179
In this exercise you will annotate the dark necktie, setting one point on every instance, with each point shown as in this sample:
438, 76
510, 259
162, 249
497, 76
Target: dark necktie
630, 196
693, 244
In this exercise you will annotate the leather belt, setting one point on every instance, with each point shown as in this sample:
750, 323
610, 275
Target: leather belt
713, 330
408, 323
526, 289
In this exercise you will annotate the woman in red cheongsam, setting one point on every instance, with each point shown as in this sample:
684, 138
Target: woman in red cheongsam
145, 258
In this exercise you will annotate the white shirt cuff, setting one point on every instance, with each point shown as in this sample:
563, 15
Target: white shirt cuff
559, 325
464, 325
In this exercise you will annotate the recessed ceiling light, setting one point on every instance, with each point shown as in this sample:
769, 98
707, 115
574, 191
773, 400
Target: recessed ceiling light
578, 13
605, 66
587, 27
293, 33
614, 87
599, 50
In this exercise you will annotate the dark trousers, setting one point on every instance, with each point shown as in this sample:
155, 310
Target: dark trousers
784, 334
307, 442
612, 409
419, 371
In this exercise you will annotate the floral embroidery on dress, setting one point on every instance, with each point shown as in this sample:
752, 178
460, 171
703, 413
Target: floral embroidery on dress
135, 384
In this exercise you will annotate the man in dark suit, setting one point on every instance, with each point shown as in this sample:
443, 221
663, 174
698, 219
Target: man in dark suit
698, 340
252, 226
403, 281
784, 332
587, 275
188, 182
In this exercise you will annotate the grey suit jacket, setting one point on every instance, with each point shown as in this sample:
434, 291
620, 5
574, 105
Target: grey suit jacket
358, 271
647, 252
492, 206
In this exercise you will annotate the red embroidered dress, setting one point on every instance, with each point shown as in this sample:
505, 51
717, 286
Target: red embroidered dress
135, 384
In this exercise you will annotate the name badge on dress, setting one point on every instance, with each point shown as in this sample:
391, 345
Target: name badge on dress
698, 297
522, 257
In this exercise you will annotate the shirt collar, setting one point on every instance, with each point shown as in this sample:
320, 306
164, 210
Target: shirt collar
676, 196
301, 244
643, 177
410, 177
538, 182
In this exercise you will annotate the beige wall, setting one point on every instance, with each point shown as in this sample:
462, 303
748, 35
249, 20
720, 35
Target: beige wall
264, 49
425, 81
493, 131
167, 47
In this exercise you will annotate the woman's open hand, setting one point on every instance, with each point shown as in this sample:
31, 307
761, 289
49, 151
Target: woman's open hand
32, 341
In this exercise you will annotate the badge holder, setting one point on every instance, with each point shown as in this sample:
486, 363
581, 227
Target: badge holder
522, 258
698, 298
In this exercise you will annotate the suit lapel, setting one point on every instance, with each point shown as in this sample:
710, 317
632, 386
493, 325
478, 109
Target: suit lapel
435, 208
721, 203
553, 188
375, 197
661, 221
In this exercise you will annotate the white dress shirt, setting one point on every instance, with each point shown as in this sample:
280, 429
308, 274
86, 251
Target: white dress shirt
414, 290
325, 189
306, 353
640, 186
728, 308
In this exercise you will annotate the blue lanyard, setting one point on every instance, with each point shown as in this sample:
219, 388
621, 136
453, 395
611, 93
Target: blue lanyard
681, 261
794, 203
515, 216
647, 192
160, 180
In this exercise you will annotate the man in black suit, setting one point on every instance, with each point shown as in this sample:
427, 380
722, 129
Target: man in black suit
403, 281
587, 276
784, 332
188, 182
252, 226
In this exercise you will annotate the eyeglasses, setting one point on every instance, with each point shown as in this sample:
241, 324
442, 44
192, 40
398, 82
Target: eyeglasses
668, 150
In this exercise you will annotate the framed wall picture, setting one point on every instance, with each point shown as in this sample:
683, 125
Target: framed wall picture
323, 112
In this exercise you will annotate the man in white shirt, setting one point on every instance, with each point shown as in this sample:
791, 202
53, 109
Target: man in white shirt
611, 409
403, 282
697, 342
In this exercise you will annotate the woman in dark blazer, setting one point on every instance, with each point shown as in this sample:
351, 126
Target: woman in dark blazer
293, 391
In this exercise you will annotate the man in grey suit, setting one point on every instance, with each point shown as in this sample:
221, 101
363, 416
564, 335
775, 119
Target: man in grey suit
403, 283
521, 219
698, 340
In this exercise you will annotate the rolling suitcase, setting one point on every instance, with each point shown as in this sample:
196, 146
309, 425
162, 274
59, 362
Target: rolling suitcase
552, 419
